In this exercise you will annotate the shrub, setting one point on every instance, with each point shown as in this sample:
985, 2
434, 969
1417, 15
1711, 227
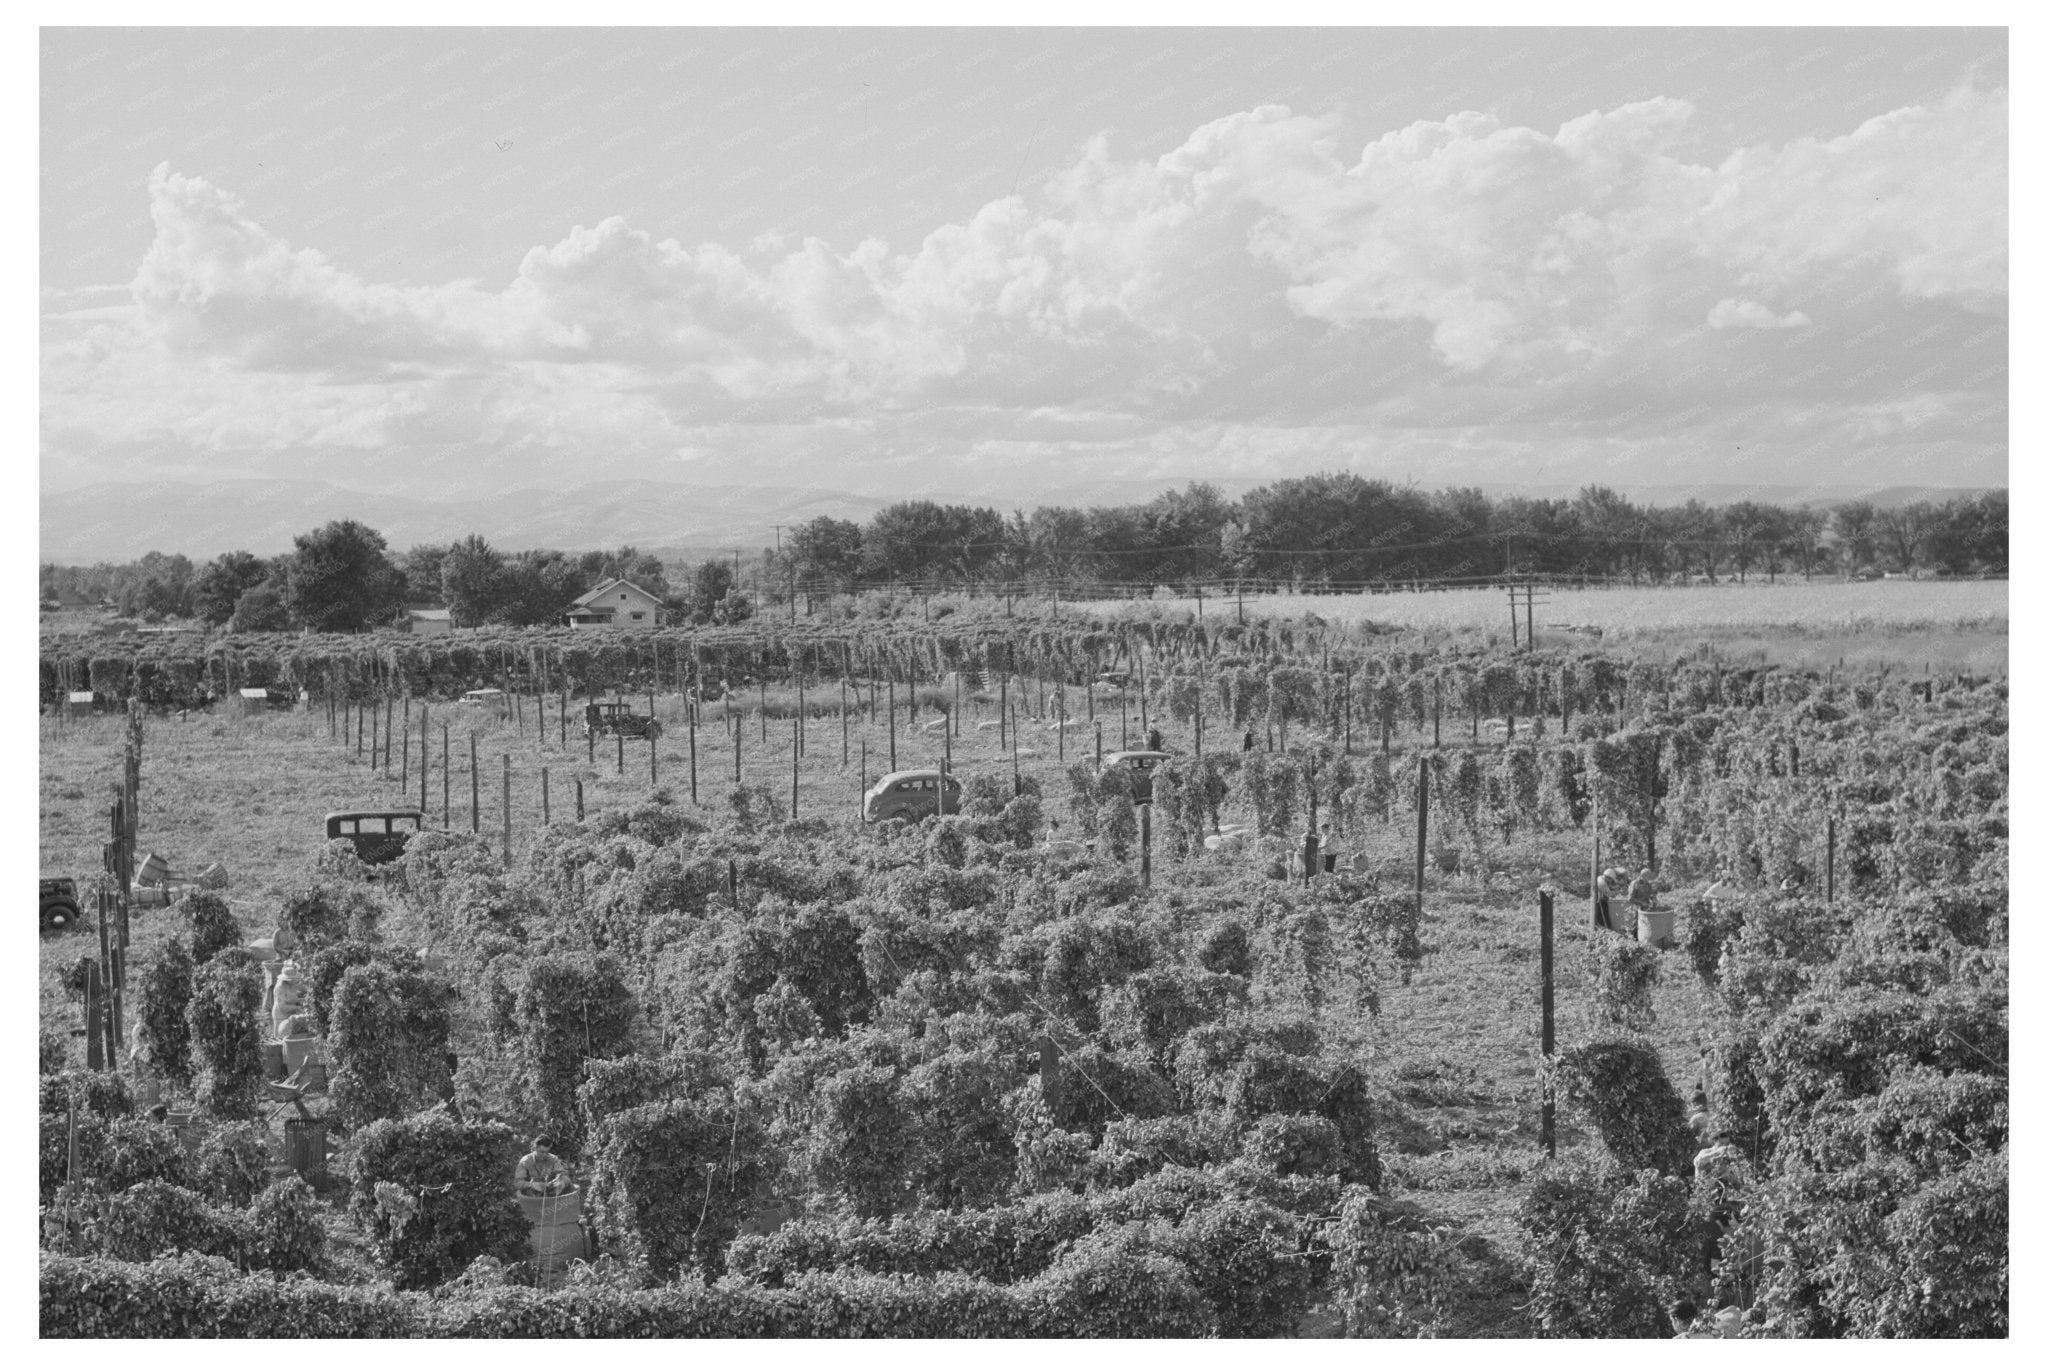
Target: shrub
284, 1231
233, 1161
122, 1152
390, 1038
671, 1182
153, 1217
1621, 1090
1393, 1274
568, 1008
163, 995
433, 1194
222, 1016
1607, 1250
1104, 1286
213, 924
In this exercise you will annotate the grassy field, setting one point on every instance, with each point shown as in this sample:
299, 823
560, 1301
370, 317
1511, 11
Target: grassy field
1950, 624
1455, 1048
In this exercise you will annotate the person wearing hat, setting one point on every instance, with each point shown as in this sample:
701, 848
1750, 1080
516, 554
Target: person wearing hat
289, 996
540, 1171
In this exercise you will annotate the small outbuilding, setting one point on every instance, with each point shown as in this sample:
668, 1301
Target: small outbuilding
251, 701
427, 621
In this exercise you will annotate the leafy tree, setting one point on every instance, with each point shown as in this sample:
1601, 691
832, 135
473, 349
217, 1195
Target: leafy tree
260, 608
1903, 531
341, 578
908, 540
537, 587
709, 586
220, 585
472, 579
826, 548
1855, 528
422, 568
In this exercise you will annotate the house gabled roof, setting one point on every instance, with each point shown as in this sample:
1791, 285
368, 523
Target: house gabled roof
428, 614
608, 587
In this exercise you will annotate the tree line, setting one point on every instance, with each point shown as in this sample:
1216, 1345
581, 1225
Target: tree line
1337, 529
1318, 531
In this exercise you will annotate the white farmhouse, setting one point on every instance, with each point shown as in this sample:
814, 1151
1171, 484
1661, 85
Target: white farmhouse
615, 602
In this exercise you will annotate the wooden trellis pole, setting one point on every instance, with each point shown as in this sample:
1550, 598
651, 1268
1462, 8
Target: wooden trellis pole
1544, 930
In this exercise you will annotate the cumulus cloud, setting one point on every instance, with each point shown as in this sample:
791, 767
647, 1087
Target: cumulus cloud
1261, 273
1750, 313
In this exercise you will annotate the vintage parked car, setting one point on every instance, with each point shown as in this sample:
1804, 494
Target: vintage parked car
1140, 763
603, 718
60, 903
489, 699
379, 836
911, 795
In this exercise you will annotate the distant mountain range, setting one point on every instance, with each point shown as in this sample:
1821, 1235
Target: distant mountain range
123, 521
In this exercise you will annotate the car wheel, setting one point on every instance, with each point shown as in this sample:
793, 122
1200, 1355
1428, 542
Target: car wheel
58, 914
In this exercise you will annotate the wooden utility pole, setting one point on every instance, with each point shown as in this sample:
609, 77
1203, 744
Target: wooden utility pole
507, 806
476, 819
373, 737
892, 722
1831, 859
691, 708
405, 753
795, 755
1544, 929
444, 776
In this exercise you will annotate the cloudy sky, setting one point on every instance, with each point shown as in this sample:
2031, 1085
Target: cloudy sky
916, 261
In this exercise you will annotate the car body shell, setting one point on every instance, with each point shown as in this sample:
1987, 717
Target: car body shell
379, 836
618, 718
1141, 763
489, 699
911, 794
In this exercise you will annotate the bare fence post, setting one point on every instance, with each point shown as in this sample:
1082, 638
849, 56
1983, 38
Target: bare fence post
1544, 923
476, 825
507, 805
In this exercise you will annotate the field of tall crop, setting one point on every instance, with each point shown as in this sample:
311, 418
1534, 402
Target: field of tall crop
1056, 1065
